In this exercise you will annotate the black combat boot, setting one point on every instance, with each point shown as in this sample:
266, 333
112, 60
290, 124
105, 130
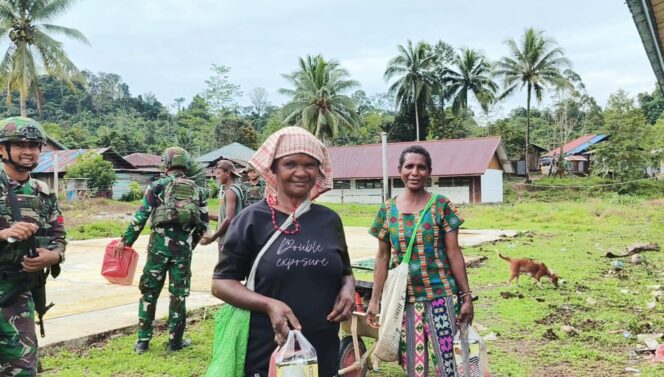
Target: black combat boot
141, 346
174, 346
176, 342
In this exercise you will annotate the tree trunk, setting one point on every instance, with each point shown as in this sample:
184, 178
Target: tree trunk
417, 124
22, 99
528, 135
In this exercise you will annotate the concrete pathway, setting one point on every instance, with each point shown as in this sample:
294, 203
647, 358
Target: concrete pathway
86, 304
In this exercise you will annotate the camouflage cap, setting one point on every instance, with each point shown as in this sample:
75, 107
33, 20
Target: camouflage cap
21, 129
249, 168
176, 157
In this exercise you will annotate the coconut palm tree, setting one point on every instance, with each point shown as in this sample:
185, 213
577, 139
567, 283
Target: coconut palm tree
317, 100
536, 63
416, 81
470, 72
32, 49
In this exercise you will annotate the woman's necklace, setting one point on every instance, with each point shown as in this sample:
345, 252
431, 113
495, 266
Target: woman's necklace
272, 202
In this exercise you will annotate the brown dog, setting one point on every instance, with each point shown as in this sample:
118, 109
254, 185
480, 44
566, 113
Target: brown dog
530, 266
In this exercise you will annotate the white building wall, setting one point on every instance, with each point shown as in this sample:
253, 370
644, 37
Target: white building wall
458, 194
492, 186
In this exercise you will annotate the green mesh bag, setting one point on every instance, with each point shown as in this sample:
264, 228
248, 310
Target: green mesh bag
231, 334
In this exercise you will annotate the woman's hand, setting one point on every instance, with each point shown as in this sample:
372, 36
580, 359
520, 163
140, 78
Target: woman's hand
281, 316
466, 313
343, 306
372, 313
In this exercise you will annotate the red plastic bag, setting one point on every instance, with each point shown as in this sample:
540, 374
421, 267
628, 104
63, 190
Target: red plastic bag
659, 354
119, 271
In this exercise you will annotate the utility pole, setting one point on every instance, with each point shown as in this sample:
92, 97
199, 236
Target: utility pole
386, 181
55, 172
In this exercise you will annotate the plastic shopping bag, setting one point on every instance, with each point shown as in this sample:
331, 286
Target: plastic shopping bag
119, 270
295, 358
478, 357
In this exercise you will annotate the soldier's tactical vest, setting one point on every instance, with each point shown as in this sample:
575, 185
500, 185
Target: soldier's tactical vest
253, 194
180, 205
31, 206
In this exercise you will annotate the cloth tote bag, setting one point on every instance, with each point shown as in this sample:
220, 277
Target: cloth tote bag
393, 301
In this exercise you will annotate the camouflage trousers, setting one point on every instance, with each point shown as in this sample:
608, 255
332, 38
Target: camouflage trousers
18, 339
172, 256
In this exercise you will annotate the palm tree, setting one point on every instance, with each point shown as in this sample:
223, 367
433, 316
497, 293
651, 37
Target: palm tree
470, 72
317, 100
535, 63
416, 81
32, 50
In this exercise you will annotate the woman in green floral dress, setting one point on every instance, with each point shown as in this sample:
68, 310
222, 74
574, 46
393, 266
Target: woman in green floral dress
437, 281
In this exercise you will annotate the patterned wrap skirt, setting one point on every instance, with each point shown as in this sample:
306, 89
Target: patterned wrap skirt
429, 324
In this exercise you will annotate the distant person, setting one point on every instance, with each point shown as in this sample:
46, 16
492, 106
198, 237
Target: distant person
254, 187
304, 279
436, 267
177, 207
39, 229
231, 197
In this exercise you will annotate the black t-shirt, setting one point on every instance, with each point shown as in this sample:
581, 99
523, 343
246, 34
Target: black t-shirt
304, 270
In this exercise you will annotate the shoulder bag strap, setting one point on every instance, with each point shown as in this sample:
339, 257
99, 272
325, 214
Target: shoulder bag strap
304, 207
13, 202
417, 226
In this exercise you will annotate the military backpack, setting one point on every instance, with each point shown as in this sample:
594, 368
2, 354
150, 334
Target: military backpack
180, 205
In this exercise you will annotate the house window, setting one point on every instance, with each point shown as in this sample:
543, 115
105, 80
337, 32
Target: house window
398, 183
368, 184
340, 184
453, 182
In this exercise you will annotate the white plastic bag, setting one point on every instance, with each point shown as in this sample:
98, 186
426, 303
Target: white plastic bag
478, 356
295, 358
392, 308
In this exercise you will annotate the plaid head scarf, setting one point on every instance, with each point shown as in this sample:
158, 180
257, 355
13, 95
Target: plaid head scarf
292, 140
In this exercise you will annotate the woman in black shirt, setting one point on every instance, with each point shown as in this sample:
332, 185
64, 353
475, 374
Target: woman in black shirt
304, 280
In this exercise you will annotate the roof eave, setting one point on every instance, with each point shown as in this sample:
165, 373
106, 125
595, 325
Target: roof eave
646, 24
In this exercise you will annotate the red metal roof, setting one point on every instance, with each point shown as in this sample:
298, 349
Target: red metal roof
452, 157
140, 160
571, 145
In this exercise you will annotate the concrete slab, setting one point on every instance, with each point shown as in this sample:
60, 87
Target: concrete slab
86, 304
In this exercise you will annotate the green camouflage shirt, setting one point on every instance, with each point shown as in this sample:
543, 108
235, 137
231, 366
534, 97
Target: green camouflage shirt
51, 233
153, 197
253, 193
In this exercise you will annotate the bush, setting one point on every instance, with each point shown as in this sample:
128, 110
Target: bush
135, 192
212, 188
99, 172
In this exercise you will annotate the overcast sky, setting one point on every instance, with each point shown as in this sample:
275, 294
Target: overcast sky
167, 46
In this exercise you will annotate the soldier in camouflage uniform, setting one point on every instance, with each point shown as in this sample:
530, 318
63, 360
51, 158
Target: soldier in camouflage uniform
169, 250
21, 140
254, 188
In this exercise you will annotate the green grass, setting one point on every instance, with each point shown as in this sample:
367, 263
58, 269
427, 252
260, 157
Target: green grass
570, 236
97, 229
355, 214
115, 357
